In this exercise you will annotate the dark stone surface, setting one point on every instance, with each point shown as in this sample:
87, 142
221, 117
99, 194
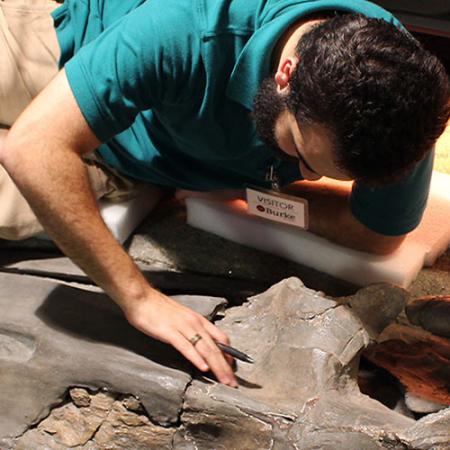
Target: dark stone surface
165, 241
54, 336
432, 313
301, 393
377, 306
170, 282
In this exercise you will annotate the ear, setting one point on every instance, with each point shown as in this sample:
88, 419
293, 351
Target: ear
284, 73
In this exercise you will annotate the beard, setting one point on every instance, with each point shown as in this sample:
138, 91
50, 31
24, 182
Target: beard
268, 105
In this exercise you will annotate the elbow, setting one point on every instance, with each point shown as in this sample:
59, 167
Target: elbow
7, 152
12, 153
3, 136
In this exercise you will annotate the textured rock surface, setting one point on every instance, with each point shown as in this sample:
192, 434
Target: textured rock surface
432, 313
200, 252
106, 423
420, 405
73, 425
420, 360
431, 432
170, 282
386, 300
54, 336
301, 393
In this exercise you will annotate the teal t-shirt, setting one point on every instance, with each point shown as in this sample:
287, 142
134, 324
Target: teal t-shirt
168, 86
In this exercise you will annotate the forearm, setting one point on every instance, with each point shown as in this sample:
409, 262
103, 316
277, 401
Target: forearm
64, 203
43, 154
330, 217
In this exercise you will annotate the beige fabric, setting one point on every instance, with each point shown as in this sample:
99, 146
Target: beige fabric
29, 53
17, 220
28, 61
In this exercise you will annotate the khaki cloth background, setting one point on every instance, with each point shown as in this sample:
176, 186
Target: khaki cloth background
29, 54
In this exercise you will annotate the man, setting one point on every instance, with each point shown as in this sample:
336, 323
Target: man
170, 92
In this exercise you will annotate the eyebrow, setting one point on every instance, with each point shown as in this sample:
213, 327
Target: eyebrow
303, 160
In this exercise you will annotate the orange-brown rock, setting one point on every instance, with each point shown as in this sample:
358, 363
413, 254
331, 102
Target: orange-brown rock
419, 359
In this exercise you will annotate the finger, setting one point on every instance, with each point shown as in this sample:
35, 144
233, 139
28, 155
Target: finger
219, 336
189, 352
215, 359
216, 333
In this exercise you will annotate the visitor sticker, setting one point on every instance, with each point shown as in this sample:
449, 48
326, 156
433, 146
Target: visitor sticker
278, 207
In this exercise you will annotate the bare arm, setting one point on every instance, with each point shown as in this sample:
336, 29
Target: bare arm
330, 217
42, 154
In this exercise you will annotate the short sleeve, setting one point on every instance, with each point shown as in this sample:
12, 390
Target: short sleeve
139, 62
394, 209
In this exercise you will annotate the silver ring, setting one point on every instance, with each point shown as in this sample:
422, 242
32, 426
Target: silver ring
194, 339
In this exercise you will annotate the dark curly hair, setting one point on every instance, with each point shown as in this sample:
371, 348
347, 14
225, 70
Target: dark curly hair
384, 98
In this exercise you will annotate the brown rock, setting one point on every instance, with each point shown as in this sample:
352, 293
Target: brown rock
34, 440
420, 360
432, 313
132, 403
80, 397
126, 430
73, 426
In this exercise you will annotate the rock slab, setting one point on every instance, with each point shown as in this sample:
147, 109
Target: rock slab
301, 393
53, 336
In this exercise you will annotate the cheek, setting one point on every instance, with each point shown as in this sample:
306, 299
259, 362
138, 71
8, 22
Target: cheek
307, 174
284, 143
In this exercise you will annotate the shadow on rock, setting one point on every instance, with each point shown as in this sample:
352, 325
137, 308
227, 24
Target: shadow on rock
92, 316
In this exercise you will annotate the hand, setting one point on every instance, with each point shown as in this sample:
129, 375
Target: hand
168, 321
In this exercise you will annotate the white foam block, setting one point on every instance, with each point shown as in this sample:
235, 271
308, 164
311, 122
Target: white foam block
122, 218
231, 221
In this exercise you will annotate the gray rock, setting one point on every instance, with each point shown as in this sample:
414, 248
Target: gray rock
302, 390
208, 307
54, 336
301, 393
217, 414
294, 334
432, 313
337, 440
421, 405
377, 306
165, 241
168, 281
431, 432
